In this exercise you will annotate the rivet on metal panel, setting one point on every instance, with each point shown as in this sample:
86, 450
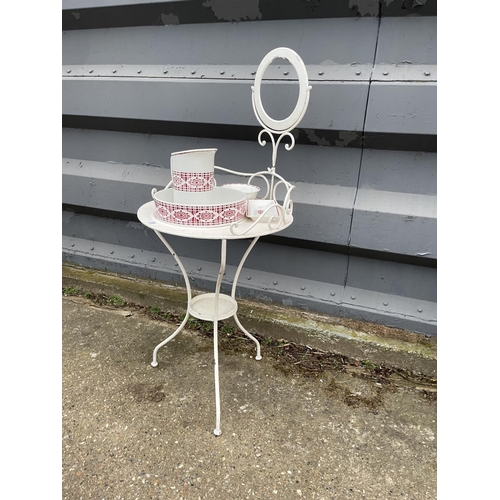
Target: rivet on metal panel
358, 73
114, 71
132, 256
321, 72
68, 71
199, 269
249, 277
193, 72
419, 310
253, 72
302, 287
91, 71
285, 72
427, 73
275, 282
385, 73
332, 294
386, 303
222, 72
72, 244
353, 297
165, 71
153, 259
92, 248
139, 71
176, 264
112, 252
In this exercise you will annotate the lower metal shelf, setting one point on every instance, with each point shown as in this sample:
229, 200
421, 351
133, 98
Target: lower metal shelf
203, 306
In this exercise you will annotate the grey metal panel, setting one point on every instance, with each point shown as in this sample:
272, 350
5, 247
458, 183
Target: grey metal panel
109, 186
339, 106
399, 171
393, 278
311, 164
400, 312
321, 213
400, 223
404, 108
395, 209
411, 39
318, 41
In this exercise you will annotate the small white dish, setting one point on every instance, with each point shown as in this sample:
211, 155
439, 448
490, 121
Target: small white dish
249, 189
255, 208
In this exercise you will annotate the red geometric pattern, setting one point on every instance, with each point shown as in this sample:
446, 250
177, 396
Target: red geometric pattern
200, 215
193, 182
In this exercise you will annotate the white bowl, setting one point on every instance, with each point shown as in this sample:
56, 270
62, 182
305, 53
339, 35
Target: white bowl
249, 189
228, 206
256, 208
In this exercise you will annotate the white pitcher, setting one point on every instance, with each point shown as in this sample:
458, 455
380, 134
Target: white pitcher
193, 176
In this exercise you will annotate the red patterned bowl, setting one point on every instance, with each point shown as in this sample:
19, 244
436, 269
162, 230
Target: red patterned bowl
228, 206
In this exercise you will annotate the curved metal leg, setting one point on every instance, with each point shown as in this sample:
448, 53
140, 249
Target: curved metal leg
217, 430
258, 357
154, 363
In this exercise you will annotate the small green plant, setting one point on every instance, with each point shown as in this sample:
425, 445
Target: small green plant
228, 329
206, 326
70, 291
154, 311
115, 301
368, 365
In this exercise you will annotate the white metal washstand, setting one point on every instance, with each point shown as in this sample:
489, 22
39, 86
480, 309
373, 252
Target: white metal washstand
268, 216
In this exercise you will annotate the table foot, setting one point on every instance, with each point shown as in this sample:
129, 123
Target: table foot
154, 363
217, 432
258, 357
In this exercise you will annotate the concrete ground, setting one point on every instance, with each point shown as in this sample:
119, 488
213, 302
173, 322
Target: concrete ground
131, 431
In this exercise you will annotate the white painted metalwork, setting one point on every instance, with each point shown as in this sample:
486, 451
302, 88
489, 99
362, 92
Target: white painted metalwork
281, 126
275, 217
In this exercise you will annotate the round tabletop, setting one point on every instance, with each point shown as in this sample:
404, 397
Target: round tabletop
146, 214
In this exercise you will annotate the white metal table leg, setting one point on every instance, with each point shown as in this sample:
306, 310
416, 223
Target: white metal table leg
217, 430
154, 363
233, 295
188, 289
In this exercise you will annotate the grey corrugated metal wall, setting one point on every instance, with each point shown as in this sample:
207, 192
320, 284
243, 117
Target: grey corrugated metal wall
144, 79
